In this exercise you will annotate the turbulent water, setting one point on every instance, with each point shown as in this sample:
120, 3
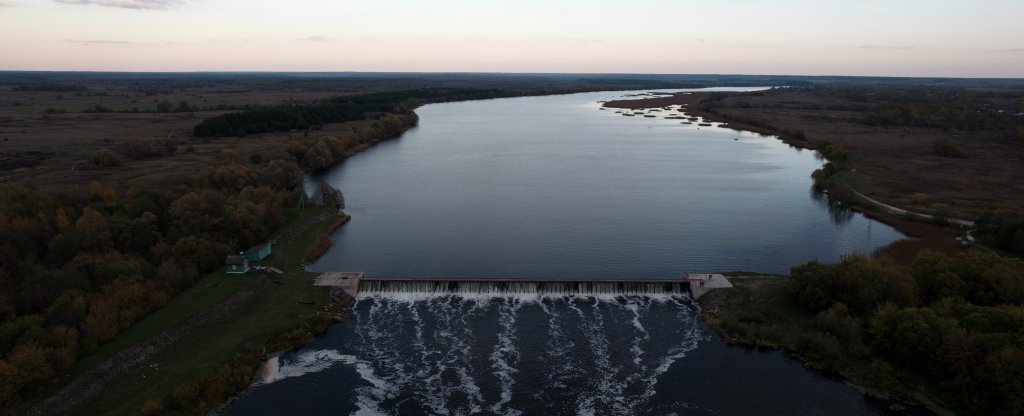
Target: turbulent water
532, 355
416, 353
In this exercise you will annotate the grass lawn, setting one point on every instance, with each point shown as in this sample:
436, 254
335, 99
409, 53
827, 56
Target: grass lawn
757, 311
271, 309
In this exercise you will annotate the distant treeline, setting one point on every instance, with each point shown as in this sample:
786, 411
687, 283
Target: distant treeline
51, 87
289, 117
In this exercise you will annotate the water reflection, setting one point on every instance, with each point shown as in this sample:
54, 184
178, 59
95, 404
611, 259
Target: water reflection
841, 214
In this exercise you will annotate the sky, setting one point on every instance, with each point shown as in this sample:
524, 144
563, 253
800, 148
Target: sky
795, 37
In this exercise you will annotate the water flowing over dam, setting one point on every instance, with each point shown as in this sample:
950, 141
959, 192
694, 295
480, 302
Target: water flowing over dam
355, 284
510, 287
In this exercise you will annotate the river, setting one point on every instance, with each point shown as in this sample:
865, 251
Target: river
556, 187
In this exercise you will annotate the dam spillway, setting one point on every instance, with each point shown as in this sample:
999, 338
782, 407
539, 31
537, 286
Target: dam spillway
356, 284
511, 287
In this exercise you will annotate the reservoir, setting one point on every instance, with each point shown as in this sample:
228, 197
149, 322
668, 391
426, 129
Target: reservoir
554, 186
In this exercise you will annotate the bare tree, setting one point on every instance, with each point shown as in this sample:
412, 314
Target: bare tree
327, 195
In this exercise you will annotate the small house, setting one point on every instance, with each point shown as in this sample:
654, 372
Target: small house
258, 253
236, 264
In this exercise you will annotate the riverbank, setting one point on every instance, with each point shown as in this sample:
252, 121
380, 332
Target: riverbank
224, 322
917, 225
936, 151
758, 312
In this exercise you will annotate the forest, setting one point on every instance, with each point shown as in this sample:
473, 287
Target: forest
953, 323
77, 268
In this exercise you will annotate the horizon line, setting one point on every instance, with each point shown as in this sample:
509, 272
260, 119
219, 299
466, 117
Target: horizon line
254, 72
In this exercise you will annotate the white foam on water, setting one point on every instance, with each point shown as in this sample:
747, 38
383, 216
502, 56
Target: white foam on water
635, 307
383, 367
505, 356
467, 383
303, 363
689, 341
366, 373
306, 362
559, 346
608, 392
431, 370
418, 348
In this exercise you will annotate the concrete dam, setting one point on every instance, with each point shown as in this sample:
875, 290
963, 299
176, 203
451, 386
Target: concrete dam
688, 284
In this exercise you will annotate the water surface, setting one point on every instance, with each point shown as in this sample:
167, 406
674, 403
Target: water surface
553, 186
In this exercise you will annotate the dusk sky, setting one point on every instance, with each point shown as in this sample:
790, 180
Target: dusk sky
893, 38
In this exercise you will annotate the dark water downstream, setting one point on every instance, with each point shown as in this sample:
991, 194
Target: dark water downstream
553, 186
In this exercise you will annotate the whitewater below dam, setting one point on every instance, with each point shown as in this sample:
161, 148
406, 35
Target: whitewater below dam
533, 355
412, 353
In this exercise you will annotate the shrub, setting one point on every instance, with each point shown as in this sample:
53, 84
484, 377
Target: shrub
946, 148
820, 348
919, 199
104, 158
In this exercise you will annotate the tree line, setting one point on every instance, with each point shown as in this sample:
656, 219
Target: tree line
955, 323
287, 117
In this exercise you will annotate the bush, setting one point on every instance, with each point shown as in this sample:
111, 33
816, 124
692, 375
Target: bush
912, 337
919, 199
820, 348
104, 158
946, 148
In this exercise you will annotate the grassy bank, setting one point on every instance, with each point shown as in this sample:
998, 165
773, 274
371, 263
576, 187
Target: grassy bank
211, 322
